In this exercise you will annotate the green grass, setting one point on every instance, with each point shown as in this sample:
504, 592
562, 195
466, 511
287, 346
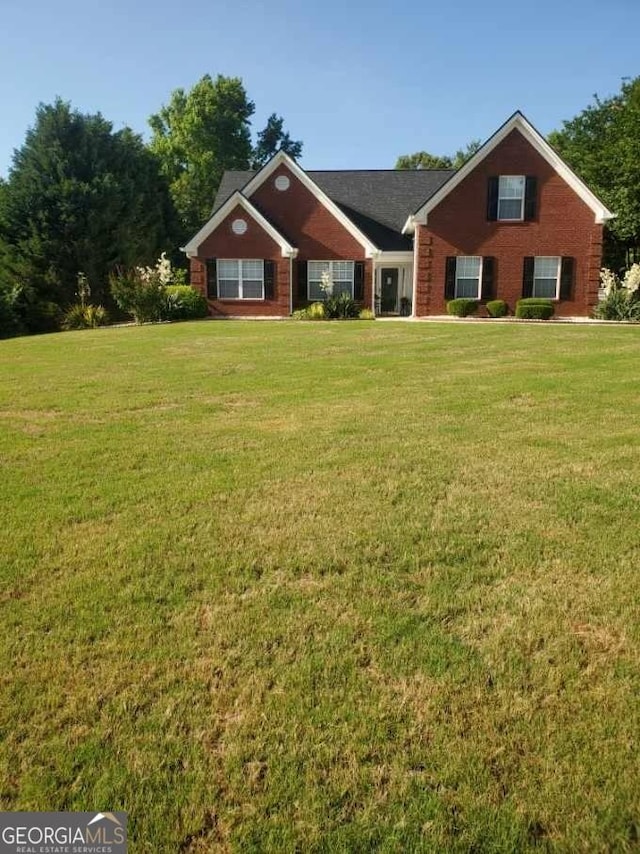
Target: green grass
324, 587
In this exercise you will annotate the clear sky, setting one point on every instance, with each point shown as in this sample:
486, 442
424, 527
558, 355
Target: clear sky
359, 82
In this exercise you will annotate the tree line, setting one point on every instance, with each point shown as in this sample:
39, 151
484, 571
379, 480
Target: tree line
83, 199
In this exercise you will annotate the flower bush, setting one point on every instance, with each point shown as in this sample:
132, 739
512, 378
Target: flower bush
142, 291
620, 297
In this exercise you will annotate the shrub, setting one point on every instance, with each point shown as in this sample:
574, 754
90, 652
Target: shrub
316, 311
300, 314
621, 300
184, 303
366, 314
42, 316
85, 317
142, 291
534, 308
340, 307
462, 307
497, 308
10, 323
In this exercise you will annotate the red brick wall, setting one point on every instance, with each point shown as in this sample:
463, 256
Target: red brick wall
564, 225
308, 225
254, 243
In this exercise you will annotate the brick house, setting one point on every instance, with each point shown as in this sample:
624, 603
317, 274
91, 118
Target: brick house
513, 221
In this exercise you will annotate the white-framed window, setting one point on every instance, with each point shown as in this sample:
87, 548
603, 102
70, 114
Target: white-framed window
340, 273
546, 276
511, 190
468, 276
240, 279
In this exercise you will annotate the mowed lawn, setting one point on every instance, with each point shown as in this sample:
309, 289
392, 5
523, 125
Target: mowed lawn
325, 587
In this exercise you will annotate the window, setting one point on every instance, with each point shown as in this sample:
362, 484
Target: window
511, 191
240, 279
546, 277
468, 276
340, 273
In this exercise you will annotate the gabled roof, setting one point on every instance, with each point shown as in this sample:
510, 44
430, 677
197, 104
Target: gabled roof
280, 159
516, 122
235, 199
377, 201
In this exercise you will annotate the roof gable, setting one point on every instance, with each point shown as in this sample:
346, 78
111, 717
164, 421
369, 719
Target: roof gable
235, 199
280, 159
516, 122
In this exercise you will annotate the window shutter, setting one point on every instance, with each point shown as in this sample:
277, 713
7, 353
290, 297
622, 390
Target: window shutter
269, 279
487, 288
527, 277
566, 278
530, 197
302, 281
358, 281
212, 279
492, 198
450, 279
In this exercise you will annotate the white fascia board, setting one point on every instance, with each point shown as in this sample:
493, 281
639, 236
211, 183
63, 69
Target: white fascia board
400, 257
191, 249
280, 159
516, 122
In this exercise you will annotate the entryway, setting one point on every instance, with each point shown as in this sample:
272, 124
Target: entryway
393, 291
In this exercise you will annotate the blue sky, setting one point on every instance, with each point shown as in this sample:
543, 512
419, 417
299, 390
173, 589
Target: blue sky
358, 82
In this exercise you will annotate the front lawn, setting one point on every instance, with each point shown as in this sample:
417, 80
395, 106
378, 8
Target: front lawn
324, 587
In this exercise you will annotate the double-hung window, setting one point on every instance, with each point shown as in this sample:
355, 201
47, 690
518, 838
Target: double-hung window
511, 193
240, 279
546, 276
339, 275
468, 276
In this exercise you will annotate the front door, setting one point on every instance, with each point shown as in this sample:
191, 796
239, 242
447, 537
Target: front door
389, 290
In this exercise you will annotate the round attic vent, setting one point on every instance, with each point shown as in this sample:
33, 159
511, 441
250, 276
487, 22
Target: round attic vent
239, 226
282, 182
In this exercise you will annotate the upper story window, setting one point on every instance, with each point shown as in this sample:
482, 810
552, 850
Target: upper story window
511, 197
240, 279
340, 273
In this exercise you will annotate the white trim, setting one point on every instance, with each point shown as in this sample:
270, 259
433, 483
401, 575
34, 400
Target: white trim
414, 296
280, 159
516, 122
558, 276
388, 259
191, 249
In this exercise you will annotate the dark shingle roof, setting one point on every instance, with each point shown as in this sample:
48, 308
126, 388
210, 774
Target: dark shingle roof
378, 201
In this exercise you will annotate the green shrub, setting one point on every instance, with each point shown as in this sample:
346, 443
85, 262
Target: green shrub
144, 300
462, 307
366, 314
340, 307
534, 308
618, 304
85, 317
10, 323
497, 308
300, 314
43, 316
184, 303
316, 311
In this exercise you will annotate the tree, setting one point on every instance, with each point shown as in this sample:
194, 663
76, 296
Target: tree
273, 139
424, 160
602, 144
198, 135
79, 198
